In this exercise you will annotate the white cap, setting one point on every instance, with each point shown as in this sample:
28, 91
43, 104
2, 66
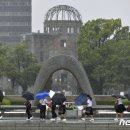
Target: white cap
122, 93
3, 93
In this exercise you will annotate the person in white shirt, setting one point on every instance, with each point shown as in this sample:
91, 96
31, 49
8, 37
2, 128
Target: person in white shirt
89, 109
42, 106
119, 108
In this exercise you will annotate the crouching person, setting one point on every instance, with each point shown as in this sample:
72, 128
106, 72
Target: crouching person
62, 112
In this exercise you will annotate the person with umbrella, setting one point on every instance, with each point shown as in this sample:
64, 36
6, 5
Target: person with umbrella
56, 99
29, 97
42, 103
62, 108
88, 109
52, 105
28, 109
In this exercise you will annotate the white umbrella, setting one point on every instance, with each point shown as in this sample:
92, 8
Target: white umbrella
51, 93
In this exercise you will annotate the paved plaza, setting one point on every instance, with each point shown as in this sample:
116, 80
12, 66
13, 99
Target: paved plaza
20, 123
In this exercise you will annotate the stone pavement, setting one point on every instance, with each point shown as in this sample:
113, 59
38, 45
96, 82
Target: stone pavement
20, 123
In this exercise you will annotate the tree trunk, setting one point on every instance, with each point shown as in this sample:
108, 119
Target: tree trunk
24, 87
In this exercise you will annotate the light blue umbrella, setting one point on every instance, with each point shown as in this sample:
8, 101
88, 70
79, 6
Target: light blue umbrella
41, 95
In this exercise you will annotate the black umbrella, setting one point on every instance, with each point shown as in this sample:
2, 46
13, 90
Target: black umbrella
118, 96
127, 96
58, 99
28, 96
1, 95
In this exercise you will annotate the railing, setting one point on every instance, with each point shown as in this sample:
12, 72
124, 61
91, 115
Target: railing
100, 109
6, 108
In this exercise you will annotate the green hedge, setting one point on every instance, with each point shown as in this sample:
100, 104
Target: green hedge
7, 101
105, 102
20, 101
72, 107
17, 102
112, 102
126, 101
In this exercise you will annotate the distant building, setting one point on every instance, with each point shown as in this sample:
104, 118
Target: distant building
15, 19
61, 29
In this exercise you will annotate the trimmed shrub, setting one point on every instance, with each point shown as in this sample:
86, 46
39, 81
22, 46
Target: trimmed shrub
112, 102
12, 101
17, 102
6, 101
126, 102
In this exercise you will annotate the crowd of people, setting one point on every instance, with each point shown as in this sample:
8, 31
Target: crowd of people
119, 109
42, 105
87, 110
61, 114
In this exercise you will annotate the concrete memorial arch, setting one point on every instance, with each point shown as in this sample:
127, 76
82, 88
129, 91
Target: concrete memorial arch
65, 62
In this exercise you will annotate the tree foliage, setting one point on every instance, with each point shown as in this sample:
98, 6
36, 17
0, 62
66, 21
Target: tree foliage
22, 67
3, 59
104, 50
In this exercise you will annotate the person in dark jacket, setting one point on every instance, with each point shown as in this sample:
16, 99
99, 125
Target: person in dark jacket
28, 109
53, 111
62, 111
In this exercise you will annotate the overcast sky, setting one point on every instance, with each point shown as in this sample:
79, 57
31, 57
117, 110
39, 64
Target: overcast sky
89, 9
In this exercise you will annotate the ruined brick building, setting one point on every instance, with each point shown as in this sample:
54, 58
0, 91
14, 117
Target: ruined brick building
61, 28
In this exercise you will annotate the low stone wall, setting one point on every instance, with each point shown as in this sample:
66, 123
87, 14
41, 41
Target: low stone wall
69, 98
38, 125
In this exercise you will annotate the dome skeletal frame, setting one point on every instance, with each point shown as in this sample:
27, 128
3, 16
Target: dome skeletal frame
63, 12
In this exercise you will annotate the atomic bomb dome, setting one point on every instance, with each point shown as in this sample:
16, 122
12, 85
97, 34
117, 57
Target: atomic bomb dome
61, 28
63, 12
62, 19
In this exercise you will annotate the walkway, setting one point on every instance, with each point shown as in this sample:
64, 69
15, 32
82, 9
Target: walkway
20, 123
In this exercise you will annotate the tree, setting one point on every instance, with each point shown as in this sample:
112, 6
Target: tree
3, 58
100, 45
23, 67
120, 57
